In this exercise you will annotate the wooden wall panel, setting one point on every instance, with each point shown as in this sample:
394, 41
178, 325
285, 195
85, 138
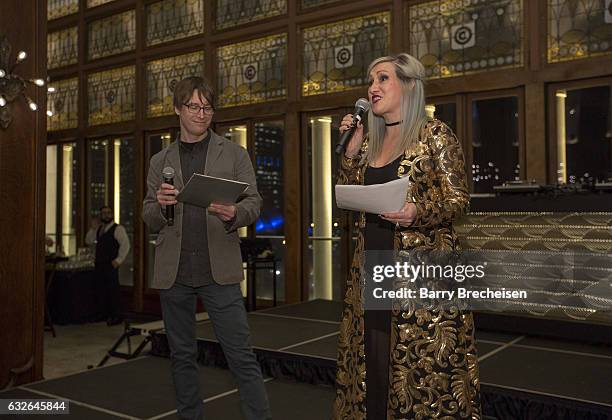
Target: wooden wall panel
22, 168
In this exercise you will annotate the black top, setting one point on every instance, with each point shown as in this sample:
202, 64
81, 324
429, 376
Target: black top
107, 247
379, 233
194, 264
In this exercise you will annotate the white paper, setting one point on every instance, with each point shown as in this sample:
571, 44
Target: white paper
201, 190
378, 198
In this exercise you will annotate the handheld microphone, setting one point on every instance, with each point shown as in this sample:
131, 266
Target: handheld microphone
361, 107
168, 175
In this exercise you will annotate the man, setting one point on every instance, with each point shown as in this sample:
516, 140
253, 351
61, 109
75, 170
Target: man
112, 247
199, 255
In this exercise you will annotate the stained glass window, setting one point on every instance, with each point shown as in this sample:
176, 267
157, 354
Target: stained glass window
94, 3
252, 71
337, 55
168, 20
237, 12
112, 35
579, 29
111, 95
162, 77
63, 102
59, 8
458, 37
312, 3
62, 47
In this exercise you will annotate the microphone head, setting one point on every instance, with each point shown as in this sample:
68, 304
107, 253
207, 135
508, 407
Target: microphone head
168, 172
362, 103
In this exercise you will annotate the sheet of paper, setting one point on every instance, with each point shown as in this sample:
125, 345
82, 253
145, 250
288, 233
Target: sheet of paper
201, 190
377, 198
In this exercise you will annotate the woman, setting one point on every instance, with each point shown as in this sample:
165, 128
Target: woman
415, 363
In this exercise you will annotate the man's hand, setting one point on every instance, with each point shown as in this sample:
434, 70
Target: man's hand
166, 195
223, 212
115, 264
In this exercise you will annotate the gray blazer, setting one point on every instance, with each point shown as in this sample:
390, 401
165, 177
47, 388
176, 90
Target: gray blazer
225, 160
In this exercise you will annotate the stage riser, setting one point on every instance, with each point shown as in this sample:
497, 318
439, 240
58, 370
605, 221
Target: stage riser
303, 369
497, 403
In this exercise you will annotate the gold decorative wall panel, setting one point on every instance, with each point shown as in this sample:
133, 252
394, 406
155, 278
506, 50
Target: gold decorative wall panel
112, 35
64, 103
111, 95
94, 3
579, 29
63, 47
585, 232
458, 37
252, 71
162, 77
231, 13
169, 20
563, 260
336, 55
60, 8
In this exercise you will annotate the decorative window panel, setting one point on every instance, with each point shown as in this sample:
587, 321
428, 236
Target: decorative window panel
59, 8
313, 3
63, 47
337, 55
237, 12
64, 103
112, 35
168, 20
579, 29
94, 3
458, 37
252, 71
111, 95
162, 77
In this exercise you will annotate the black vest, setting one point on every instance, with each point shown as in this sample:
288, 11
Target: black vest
107, 247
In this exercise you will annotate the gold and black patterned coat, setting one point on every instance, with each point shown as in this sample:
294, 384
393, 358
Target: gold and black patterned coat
433, 371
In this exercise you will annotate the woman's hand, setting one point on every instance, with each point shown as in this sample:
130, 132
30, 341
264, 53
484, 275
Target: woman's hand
353, 146
405, 217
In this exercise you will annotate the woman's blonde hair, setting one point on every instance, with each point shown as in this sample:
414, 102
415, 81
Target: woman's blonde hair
411, 74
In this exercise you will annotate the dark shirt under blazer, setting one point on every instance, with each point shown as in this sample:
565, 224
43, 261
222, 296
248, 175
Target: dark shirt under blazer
194, 263
224, 159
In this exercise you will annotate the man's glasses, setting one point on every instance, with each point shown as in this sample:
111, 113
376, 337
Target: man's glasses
195, 108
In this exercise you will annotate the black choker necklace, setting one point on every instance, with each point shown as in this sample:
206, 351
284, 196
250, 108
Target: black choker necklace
393, 123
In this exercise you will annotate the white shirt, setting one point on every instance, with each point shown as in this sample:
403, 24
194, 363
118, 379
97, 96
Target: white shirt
120, 236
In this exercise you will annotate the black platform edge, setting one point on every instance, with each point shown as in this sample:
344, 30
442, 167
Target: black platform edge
552, 328
279, 365
503, 403
497, 402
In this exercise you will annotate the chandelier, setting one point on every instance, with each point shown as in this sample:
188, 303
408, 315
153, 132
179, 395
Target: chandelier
12, 86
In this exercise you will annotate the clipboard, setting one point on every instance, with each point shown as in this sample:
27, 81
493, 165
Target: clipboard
201, 190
